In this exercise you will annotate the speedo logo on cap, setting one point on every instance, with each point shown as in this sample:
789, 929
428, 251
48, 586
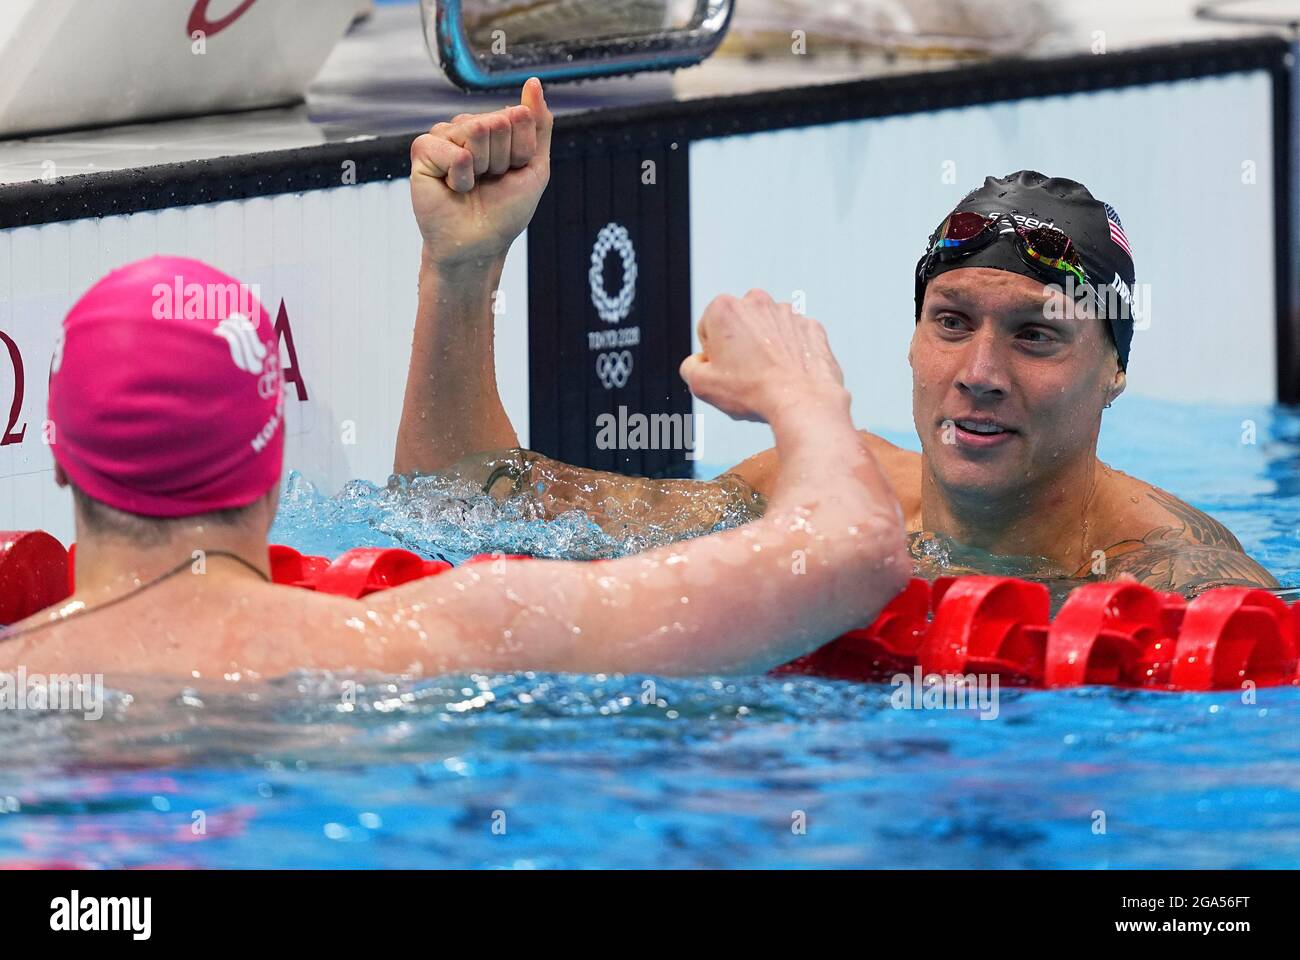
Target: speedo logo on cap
1024, 221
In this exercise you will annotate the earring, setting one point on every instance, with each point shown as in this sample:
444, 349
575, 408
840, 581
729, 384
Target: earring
1107, 407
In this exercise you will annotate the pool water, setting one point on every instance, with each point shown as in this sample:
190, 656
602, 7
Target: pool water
542, 770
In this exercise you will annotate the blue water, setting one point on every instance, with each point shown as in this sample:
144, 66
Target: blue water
534, 770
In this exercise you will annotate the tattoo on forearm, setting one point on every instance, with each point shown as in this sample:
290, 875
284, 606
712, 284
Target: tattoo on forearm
505, 470
515, 467
626, 507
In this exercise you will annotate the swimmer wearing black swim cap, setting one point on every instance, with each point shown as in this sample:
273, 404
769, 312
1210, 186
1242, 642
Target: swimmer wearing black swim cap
1026, 307
1048, 229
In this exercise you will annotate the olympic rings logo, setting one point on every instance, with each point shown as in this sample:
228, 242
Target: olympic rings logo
614, 369
613, 309
199, 22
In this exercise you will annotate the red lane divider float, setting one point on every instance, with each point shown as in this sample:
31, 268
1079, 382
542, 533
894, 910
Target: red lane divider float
357, 573
362, 570
1117, 634
1231, 635
1108, 633
886, 647
33, 574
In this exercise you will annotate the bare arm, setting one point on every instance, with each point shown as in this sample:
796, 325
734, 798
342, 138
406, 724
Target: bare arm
453, 368
621, 505
624, 505
475, 184
826, 557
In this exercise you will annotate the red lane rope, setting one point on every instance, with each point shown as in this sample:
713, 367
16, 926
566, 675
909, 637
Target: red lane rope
1113, 633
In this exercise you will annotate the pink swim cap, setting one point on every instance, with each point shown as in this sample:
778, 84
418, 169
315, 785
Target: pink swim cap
166, 393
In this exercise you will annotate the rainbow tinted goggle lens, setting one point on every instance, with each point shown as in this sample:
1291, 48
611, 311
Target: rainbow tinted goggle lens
1045, 248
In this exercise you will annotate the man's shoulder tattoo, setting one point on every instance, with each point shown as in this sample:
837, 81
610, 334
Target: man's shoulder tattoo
1196, 525
1189, 556
1183, 567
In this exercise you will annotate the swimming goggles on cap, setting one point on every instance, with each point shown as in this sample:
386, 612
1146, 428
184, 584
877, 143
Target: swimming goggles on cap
1041, 247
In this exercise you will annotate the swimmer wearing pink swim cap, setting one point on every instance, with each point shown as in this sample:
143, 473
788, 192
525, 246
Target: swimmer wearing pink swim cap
165, 392
167, 412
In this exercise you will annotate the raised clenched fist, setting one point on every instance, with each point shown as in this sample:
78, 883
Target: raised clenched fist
476, 181
758, 356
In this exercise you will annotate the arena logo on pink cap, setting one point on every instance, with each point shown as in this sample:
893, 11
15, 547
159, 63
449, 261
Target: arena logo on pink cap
166, 391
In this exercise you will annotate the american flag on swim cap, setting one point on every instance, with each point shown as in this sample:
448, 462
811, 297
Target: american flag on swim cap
1117, 229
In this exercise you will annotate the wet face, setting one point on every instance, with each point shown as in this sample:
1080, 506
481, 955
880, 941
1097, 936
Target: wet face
1008, 382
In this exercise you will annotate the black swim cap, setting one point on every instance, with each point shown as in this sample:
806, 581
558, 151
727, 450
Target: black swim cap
1067, 205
